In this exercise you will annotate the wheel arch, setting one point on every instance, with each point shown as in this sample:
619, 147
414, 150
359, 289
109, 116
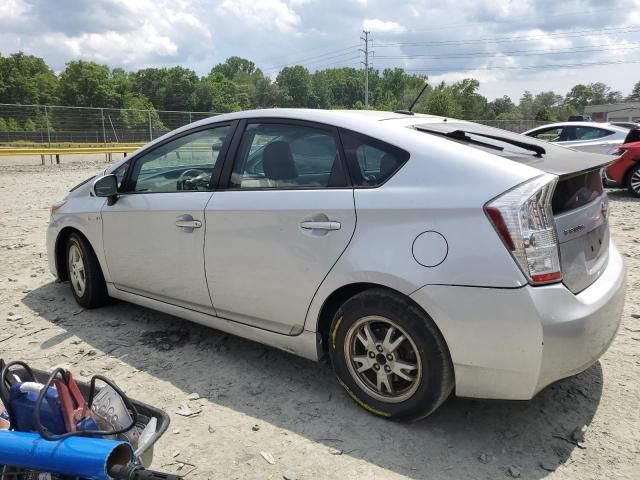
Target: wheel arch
61, 251
337, 298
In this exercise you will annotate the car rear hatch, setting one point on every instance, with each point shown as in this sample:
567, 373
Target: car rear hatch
580, 205
580, 209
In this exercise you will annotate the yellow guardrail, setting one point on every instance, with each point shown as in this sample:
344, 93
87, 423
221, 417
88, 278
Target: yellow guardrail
67, 150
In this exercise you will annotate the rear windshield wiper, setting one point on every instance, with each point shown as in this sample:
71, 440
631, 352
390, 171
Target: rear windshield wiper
463, 135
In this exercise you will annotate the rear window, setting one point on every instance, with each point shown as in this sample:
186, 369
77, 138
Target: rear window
371, 161
577, 191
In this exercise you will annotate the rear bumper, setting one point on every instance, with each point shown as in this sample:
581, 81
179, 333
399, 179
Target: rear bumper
511, 343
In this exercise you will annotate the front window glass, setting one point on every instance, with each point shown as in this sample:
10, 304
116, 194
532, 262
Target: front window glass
185, 163
548, 134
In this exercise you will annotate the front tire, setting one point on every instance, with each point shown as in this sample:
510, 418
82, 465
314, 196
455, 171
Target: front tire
633, 180
389, 356
85, 275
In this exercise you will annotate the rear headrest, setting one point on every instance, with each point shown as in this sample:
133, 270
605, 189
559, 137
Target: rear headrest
277, 161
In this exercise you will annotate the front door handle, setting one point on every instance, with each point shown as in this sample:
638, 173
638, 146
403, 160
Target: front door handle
310, 225
188, 223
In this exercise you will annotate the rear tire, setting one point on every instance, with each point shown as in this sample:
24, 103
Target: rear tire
389, 356
85, 275
633, 180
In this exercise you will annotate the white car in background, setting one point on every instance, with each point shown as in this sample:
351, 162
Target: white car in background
586, 136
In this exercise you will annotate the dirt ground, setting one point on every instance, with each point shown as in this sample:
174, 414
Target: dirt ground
258, 404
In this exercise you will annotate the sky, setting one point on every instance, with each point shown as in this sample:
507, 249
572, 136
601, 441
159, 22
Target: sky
509, 46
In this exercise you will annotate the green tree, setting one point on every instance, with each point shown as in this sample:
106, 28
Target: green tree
502, 105
30, 126
87, 84
13, 125
544, 115
635, 93
27, 79
442, 103
297, 87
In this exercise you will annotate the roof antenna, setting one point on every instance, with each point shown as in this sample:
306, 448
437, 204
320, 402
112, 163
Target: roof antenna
413, 104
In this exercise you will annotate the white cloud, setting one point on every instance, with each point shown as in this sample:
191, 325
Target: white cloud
320, 34
262, 13
13, 11
380, 26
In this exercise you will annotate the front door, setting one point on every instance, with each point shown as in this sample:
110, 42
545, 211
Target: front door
279, 226
154, 234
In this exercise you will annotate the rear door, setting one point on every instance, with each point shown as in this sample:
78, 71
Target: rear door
154, 234
278, 223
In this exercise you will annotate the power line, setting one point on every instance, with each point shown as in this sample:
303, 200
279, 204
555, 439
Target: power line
517, 53
306, 60
527, 17
310, 63
502, 39
524, 67
335, 63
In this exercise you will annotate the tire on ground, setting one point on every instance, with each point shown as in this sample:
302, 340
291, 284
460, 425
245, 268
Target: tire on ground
95, 292
634, 172
437, 380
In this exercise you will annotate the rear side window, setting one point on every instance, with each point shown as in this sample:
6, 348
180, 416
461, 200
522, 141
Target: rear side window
281, 155
590, 133
371, 161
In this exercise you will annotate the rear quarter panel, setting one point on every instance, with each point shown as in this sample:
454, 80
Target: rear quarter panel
442, 188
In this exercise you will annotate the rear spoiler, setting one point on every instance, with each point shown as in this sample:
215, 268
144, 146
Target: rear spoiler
562, 161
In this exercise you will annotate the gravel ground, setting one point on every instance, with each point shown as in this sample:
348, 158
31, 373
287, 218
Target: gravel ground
265, 414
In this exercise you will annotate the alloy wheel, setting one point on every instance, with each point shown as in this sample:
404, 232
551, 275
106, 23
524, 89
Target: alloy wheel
383, 359
77, 271
635, 181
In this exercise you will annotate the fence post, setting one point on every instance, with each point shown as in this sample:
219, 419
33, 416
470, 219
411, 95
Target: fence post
104, 132
46, 118
150, 127
190, 117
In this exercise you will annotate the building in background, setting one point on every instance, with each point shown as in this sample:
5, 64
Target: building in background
614, 112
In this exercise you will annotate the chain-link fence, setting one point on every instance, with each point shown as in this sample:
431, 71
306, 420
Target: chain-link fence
45, 125
55, 125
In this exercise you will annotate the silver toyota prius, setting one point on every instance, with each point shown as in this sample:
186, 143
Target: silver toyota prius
422, 254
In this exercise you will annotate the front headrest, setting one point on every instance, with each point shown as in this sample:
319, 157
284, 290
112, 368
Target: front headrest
277, 161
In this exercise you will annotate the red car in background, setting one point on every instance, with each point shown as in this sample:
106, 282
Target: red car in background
625, 172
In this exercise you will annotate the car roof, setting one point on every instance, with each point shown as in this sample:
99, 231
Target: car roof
314, 115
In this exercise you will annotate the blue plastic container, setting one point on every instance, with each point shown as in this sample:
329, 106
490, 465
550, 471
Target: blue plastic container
22, 407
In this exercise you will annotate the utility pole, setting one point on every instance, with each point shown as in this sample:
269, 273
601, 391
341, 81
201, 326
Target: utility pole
366, 67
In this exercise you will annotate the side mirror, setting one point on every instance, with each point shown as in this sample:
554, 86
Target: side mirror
106, 186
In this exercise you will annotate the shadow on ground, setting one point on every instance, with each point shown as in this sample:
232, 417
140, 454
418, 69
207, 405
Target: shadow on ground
302, 397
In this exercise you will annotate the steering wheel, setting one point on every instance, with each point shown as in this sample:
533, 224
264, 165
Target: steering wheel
192, 177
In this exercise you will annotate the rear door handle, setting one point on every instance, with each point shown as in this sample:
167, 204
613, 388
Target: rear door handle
188, 223
320, 225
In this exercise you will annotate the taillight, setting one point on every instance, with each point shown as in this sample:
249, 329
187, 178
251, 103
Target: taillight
524, 220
